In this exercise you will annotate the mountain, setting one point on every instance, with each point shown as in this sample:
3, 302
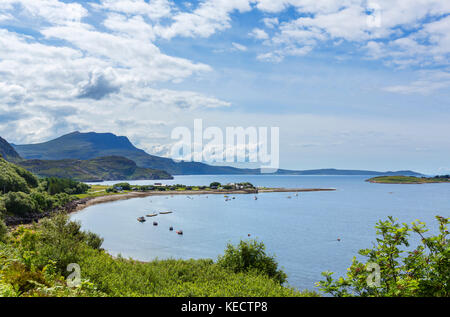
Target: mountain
98, 169
85, 146
8, 152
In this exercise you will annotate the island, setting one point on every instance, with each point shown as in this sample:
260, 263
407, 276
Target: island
409, 179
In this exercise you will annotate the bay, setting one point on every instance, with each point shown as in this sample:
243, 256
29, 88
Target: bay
301, 231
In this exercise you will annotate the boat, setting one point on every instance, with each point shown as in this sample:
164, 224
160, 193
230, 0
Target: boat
171, 228
151, 215
256, 198
141, 219
180, 232
165, 212
155, 223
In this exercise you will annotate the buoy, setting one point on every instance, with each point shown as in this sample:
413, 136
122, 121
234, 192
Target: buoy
171, 228
155, 223
180, 232
249, 234
338, 239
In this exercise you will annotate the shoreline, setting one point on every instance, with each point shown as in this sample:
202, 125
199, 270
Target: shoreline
87, 202
83, 203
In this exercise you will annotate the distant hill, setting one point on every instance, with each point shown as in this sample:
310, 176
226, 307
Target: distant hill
98, 169
332, 171
85, 146
8, 152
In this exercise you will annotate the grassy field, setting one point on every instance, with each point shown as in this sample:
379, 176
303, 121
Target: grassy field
407, 180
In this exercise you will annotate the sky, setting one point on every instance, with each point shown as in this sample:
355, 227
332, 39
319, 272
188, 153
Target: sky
351, 84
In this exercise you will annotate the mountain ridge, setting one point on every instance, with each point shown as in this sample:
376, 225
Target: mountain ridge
90, 145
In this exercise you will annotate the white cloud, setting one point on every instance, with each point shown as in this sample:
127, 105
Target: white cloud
155, 9
208, 18
239, 47
259, 34
400, 34
428, 83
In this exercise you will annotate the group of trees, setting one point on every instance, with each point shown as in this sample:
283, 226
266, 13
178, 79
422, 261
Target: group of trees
22, 193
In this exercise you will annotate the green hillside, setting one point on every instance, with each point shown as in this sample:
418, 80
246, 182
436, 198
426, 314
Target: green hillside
102, 168
8, 152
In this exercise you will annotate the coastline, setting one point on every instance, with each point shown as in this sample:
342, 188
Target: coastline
87, 202
80, 204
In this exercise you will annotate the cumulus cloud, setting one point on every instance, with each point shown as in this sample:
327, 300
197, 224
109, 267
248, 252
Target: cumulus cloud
400, 32
99, 85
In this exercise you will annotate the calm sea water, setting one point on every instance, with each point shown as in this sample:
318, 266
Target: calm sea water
301, 232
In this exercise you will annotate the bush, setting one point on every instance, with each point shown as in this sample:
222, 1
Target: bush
19, 203
124, 186
43, 200
423, 271
55, 185
251, 256
3, 231
62, 241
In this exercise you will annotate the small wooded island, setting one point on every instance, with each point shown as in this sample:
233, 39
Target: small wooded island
409, 179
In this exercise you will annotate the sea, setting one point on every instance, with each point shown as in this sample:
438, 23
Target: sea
308, 234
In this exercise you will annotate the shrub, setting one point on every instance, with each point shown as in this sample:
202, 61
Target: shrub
43, 200
251, 256
62, 241
124, 186
20, 203
403, 271
21, 278
3, 231
55, 185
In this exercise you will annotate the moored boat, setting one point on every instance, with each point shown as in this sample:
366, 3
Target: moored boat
165, 212
141, 219
151, 215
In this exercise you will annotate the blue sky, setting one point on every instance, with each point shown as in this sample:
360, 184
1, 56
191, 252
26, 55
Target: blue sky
351, 83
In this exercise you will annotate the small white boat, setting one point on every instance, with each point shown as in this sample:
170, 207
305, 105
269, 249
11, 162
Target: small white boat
151, 215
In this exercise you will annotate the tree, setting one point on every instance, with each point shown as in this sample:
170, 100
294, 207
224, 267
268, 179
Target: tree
251, 256
215, 184
20, 203
403, 271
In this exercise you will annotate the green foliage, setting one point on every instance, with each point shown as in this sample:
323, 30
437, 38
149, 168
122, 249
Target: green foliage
20, 203
14, 178
61, 241
97, 169
251, 256
423, 271
3, 231
215, 184
55, 185
124, 186
20, 278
